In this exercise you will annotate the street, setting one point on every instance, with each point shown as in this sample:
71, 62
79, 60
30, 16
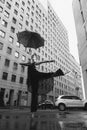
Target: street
43, 120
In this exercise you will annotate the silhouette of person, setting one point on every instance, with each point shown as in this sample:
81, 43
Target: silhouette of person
33, 78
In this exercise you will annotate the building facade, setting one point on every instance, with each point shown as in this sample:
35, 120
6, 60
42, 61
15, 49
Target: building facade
16, 16
80, 16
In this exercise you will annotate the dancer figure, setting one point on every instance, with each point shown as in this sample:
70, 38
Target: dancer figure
33, 78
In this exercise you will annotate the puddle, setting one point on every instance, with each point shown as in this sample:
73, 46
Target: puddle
43, 121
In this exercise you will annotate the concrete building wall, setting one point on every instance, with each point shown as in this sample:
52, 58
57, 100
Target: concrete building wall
80, 15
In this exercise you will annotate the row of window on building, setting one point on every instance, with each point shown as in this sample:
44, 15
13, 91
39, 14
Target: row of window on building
17, 54
14, 20
38, 10
21, 79
38, 15
9, 51
13, 77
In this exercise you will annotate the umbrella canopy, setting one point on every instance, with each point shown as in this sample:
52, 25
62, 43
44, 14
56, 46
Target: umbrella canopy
30, 39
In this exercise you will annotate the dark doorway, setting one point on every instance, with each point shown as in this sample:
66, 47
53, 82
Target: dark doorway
19, 98
11, 94
2, 92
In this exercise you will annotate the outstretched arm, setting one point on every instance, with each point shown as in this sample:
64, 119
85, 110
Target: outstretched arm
44, 62
27, 64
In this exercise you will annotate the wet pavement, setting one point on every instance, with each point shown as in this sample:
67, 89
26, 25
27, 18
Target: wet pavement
43, 120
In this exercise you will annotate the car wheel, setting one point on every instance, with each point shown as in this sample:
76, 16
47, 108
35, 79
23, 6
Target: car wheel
61, 107
85, 106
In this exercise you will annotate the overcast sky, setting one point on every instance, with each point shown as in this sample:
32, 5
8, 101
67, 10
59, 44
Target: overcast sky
64, 10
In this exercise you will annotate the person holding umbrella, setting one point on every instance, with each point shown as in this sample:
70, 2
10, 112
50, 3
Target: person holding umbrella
34, 40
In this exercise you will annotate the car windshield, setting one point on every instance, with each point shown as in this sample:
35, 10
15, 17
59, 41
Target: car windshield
48, 101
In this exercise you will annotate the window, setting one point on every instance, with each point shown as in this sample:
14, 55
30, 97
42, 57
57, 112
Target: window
22, 68
29, 2
16, 54
17, 44
7, 62
36, 25
4, 76
0, 57
13, 78
15, 66
32, 13
23, 3
32, 20
20, 26
32, 7
4, 23
76, 98
8, 5
1, 9
28, 9
16, 12
6, 14
21, 17
14, 20
11, 39
9, 50
40, 29
33, 1
21, 80
12, 29
2, 34
1, 46
27, 15
23, 58
16, 4
29, 60
24, 48
27, 50
66, 97
27, 23
22, 10
31, 28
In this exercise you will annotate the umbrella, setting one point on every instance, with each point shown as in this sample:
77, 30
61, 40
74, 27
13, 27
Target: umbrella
30, 39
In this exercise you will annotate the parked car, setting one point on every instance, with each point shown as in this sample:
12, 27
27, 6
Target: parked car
63, 102
46, 104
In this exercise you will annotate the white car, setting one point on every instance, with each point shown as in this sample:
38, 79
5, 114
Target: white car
63, 102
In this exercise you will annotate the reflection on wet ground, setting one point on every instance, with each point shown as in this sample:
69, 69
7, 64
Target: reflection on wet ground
43, 120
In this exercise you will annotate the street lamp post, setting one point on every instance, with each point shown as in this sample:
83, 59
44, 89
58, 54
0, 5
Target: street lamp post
76, 82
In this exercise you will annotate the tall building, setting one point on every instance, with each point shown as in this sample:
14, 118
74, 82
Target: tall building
16, 16
80, 16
